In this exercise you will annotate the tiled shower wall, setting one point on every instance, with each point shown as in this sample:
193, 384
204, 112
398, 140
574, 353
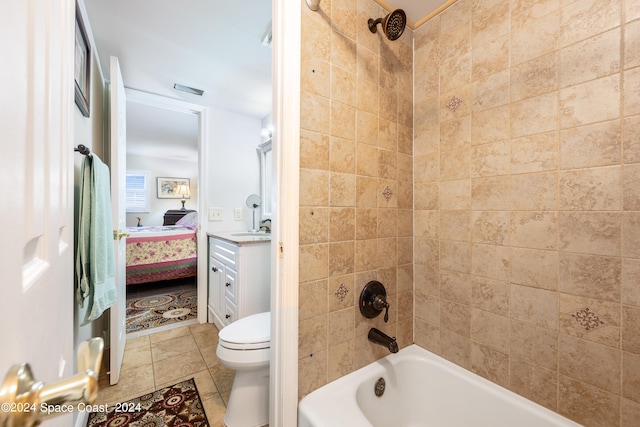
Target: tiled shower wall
355, 187
527, 199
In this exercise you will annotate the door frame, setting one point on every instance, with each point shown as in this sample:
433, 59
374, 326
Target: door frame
200, 111
286, 18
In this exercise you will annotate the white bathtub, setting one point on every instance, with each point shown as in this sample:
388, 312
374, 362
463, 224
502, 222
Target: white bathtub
422, 389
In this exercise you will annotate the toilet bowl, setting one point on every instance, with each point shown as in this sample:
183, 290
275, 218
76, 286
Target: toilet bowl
244, 346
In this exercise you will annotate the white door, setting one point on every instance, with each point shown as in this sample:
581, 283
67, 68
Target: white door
117, 165
37, 169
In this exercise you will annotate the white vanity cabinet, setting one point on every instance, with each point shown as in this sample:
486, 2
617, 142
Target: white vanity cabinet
239, 278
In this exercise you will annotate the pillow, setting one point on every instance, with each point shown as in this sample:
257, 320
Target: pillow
190, 220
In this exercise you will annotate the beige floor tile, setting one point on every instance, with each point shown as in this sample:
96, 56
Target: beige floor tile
223, 377
172, 347
215, 410
137, 342
209, 355
171, 333
137, 356
206, 337
175, 367
133, 382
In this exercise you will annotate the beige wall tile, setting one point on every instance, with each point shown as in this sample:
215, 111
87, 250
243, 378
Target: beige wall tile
491, 261
534, 77
631, 102
313, 299
632, 45
536, 306
591, 189
490, 159
590, 59
534, 34
490, 363
537, 345
534, 153
534, 115
314, 262
590, 232
341, 258
491, 330
631, 329
534, 191
490, 295
340, 360
534, 230
534, 382
489, 193
343, 155
583, 19
630, 279
590, 276
631, 144
490, 125
314, 187
490, 55
591, 145
630, 189
455, 164
455, 287
629, 412
315, 77
535, 268
586, 404
314, 225
630, 234
342, 189
590, 102
341, 292
314, 150
589, 362
631, 376
314, 112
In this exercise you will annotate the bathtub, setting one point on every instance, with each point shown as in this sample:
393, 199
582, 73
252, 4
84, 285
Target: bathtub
421, 389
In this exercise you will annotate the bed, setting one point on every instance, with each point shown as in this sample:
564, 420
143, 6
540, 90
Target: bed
161, 253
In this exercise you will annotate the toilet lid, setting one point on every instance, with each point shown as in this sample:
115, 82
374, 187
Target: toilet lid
250, 332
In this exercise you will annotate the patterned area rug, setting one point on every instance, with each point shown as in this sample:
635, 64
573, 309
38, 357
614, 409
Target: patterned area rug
178, 405
160, 310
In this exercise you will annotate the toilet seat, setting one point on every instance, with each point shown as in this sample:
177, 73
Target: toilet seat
249, 333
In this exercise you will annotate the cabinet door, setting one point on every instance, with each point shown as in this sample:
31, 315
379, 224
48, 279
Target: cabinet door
231, 285
216, 286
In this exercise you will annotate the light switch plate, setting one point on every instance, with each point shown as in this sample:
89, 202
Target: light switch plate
215, 214
237, 214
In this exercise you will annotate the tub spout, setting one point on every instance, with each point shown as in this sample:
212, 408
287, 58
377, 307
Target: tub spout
376, 336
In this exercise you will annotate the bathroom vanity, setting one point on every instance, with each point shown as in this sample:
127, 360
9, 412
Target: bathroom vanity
239, 276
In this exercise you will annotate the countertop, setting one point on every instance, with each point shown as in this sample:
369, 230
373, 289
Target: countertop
241, 237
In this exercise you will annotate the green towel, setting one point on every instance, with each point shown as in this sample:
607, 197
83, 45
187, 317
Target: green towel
95, 259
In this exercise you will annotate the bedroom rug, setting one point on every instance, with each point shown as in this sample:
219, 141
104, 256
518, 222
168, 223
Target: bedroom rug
178, 405
155, 311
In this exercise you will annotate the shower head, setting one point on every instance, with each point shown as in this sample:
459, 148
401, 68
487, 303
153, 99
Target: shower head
392, 25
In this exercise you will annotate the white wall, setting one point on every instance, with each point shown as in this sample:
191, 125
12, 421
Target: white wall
233, 168
160, 167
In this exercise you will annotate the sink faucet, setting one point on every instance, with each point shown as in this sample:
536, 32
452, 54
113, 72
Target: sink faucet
266, 225
376, 336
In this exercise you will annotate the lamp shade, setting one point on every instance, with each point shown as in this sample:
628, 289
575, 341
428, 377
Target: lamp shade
182, 190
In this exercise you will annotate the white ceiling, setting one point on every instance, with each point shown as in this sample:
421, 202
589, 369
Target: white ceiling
213, 45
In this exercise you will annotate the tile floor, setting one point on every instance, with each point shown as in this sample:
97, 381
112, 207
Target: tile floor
164, 358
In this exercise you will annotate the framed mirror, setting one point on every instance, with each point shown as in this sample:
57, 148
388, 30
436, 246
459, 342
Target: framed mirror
266, 174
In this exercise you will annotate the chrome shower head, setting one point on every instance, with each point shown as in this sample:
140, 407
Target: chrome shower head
392, 25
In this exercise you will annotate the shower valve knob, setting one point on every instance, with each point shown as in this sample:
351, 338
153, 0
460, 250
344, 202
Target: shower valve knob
373, 299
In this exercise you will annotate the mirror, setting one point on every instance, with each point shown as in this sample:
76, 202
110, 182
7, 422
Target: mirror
266, 172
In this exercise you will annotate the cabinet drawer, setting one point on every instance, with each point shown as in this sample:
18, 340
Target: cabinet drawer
230, 312
226, 252
231, 285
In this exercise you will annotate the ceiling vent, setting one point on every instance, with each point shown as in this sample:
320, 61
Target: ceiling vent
188, 89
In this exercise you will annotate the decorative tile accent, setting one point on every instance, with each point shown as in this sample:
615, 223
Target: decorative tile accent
588, 319
387, 193
454, 103
341, 292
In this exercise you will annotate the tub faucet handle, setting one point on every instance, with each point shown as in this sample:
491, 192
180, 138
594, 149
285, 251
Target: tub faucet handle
380, 302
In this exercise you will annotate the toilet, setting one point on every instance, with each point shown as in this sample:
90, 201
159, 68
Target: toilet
244, 346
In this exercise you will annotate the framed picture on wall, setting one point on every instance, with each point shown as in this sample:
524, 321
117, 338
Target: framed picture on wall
168, 188
82, 64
